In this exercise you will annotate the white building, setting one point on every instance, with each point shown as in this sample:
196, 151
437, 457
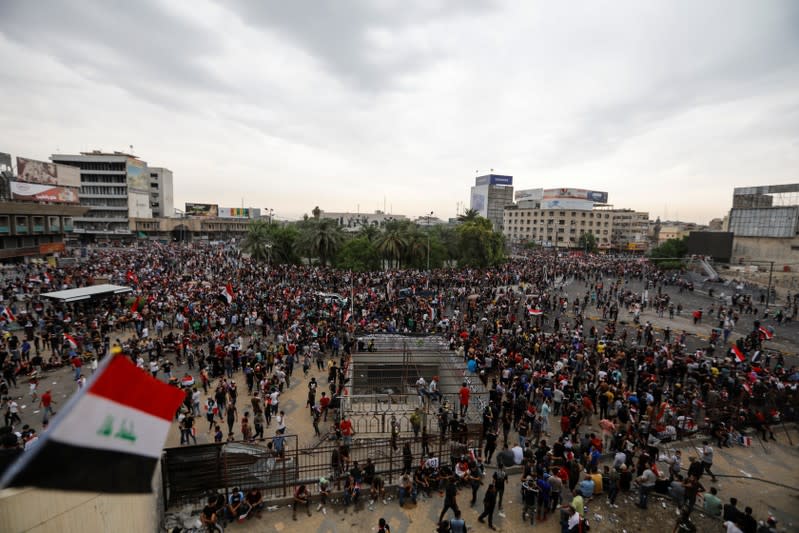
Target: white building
354, 221
162, 200
115, 187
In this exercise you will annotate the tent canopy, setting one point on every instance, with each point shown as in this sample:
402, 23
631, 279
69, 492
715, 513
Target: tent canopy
87, 293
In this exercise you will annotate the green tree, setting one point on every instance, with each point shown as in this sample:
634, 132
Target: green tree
370, 232
479, 244
284, 239
669, 254
320, 238
470, 215
359, 254
391, 244
257, 242
587, 242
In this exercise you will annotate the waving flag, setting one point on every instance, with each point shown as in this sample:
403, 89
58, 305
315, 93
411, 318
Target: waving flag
136, 303
227, 293
766, 333
739, 355
346, 316
535, 312
6, 312
108, 438
131, 277
71, 340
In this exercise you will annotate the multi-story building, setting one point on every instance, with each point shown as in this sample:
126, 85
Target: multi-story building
765, 224
35, 217
162, 201
621, 229
489, 196
354, 221
115, 187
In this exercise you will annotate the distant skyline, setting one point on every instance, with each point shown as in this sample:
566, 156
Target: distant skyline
363, 103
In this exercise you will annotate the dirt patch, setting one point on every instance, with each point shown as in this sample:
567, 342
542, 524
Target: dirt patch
660, 516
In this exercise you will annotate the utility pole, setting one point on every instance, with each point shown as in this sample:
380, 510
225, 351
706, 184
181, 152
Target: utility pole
768, 290
428, 240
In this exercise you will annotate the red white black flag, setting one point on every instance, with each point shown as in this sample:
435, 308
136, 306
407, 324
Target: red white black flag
108, 438
227, 293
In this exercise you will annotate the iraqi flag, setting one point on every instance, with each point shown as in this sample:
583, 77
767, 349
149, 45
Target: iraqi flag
739, 355
227, 294
108, 438
535, 312
6, 313
71, 341
135, 306
766, 334
346, 317
131, 277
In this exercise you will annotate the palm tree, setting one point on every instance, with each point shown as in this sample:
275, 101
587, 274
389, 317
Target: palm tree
469, 215
321, 238
257, 241
391, 243
369, 232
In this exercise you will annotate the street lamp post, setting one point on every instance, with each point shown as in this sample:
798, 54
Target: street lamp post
428, 240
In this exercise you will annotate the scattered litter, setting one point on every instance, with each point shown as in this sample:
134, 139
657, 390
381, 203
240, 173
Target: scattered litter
36, 411
663, 504
272, 508
598, 517
24, 406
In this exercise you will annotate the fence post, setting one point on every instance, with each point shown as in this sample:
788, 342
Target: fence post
390, 463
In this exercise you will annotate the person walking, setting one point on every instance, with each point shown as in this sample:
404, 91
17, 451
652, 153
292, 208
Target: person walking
450, 501
707, 459
489, 503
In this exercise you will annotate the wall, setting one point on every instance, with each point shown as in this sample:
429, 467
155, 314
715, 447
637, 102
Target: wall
766, 249
41, 511
139, 204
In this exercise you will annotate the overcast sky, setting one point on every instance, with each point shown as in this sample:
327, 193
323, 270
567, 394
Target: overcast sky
342, 104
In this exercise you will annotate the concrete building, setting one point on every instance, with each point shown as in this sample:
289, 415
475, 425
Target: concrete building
162, 201
765, 224
189, 228
352, 222
35, 217
115, 187
619, 229
489, 196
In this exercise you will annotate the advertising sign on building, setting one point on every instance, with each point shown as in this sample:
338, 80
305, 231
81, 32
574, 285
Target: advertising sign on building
478, 200
5, 162
493, 179
36, 192
68, 176
529, 194
576, 194
237, 212
202, 210
32, 171
138, 176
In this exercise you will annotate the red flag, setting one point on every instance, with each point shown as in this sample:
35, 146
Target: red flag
765, 333
6, 312
136, 303
227, 293
131, 277
747, 388
739, 355
346, 316
108, 438
71, 340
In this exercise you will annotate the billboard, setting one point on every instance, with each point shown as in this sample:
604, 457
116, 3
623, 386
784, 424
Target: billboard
478, 200
36, 192
5, 162
716, 244
567, 203
493, 179
68, 176
529, 194
32, 171
599, 197
202, 210
239, 212
138, 176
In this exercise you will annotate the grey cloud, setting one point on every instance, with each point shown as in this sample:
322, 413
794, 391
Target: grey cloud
137, 46
337, 32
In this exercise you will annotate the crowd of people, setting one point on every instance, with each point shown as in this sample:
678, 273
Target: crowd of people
563, 388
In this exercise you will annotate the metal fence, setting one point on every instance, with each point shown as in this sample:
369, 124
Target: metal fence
191, 472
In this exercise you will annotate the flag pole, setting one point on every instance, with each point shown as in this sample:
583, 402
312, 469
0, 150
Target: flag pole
29, 456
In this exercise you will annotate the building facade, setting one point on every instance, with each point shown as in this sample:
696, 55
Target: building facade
764, 221
489, 196
162, 201
115, 187
619, 229
349, 221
